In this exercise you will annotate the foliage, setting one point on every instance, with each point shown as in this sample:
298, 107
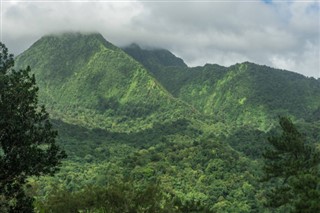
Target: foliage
243, 94
193, 167
293, 165
116, 198
135, 119
27, 140
88, 81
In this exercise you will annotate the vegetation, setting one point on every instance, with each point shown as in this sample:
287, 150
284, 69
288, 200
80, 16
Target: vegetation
27, 140
89, 81
243, 94
145, 133
293, 166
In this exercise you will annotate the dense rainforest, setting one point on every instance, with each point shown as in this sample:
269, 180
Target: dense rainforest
146, 133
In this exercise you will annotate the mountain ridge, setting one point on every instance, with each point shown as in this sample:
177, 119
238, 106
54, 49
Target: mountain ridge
198, 132
260, 91
87, 73
111, 77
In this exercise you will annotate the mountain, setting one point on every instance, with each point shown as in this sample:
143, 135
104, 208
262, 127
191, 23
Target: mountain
85, 79
131, 119
242, 94
154, 59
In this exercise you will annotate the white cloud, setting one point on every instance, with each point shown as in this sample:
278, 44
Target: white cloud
281, 34
27, 22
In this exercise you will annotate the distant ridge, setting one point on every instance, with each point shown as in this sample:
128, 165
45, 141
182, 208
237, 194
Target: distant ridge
244, 93
154, 59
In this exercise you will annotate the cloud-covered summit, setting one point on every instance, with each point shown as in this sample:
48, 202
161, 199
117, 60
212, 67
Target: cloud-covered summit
282, 34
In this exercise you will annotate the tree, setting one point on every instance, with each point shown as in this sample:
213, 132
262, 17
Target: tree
27, 139
292, 166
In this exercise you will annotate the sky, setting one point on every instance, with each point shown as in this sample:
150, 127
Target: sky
277, 33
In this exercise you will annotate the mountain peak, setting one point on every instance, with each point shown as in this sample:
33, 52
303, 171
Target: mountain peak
154, 58
133, 46
59, 56
75, 39
75, 36
81, 74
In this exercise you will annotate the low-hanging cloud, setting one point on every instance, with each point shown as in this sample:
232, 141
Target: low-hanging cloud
280, 34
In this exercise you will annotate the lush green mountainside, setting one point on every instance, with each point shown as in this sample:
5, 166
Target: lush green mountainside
250, 94
146, 118
242, 94
85, 79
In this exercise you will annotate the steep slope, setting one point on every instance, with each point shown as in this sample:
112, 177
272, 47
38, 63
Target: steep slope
250, 94
86, 80
242, 94
154, 59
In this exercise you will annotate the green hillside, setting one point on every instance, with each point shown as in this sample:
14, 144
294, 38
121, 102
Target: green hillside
250, 94
86, 80
242, 101
145, 133
242, 94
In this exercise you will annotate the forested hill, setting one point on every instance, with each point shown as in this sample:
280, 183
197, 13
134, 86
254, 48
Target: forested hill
146, 133
86, 80
246, 93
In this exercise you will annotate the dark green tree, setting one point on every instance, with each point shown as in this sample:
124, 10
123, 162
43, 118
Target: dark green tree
292, 168
27, 140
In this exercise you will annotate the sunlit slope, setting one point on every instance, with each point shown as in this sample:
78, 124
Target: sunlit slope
156, 120
86, 80
242, 94
252, 94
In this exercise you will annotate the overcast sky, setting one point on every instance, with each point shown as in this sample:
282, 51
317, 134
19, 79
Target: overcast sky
281, 34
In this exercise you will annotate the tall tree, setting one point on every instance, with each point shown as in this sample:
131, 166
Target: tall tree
27, 140
292, 166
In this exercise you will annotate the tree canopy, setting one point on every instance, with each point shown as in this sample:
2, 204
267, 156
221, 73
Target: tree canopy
27, 139
293, 166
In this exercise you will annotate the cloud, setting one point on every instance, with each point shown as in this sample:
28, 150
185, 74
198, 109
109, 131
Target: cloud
279, 34
24, 23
